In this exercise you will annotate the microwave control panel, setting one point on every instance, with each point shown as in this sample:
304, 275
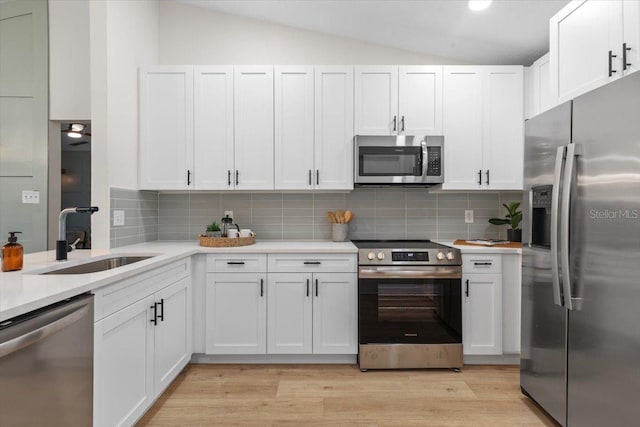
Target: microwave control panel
434, 167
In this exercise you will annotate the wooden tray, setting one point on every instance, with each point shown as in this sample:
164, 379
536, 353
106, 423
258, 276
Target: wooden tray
225, 242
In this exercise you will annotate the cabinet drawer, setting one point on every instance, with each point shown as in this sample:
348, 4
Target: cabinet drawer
480, 263
312, 263
241, 263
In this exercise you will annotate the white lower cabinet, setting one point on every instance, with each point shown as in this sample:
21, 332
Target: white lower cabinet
236, 313
335, 313
139, 350
482, 314
289, 314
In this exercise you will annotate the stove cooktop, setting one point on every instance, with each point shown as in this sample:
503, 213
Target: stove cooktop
406, 252
396, 244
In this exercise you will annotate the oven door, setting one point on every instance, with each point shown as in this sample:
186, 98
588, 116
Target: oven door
410, 305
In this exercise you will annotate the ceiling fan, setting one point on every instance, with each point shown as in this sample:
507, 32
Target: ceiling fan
76, 130
75, 144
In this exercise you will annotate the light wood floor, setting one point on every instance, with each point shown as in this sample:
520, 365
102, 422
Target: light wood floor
313, 395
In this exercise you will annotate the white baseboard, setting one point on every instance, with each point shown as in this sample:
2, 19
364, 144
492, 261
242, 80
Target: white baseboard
502, 359
348, 359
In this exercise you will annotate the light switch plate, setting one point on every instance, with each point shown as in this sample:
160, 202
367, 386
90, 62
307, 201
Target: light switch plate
118, 218
31, 196
228, 213
468, 217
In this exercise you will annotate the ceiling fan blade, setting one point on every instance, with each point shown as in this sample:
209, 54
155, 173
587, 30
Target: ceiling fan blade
75, 144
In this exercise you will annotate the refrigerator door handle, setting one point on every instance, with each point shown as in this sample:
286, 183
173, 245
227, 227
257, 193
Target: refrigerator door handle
565, 210
555, 205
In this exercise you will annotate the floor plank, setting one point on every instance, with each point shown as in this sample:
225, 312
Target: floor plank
341, 395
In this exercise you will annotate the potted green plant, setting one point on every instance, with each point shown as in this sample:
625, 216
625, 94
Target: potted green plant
513, 218
213, 230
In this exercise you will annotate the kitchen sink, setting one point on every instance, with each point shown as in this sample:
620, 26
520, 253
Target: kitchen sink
100, 265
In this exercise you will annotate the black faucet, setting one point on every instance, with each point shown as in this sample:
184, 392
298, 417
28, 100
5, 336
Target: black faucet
62, 247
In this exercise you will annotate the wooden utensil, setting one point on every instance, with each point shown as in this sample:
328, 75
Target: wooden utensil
332, 217
340, 216
348, 216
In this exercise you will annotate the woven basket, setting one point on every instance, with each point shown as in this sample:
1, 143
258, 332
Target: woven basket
225, 242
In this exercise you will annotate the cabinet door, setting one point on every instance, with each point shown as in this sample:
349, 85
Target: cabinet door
334, 128
289, 313
420, 100
236, 313
631, 15
376, 100
293, 128
213, 132
503, 128
166, 127
462, 127
253, 128
335, 313
581, 35
482, 314
123, 365
172, 333
541, 97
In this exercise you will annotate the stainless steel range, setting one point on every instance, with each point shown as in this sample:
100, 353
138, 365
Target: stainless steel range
409, 304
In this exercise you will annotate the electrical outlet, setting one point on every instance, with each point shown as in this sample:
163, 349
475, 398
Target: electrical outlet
468, 217
31, 196
228, 213
118, 218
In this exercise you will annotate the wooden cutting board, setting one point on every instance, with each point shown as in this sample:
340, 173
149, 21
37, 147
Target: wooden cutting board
515, 245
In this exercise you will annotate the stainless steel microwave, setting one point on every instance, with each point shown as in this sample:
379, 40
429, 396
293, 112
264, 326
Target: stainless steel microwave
398, 160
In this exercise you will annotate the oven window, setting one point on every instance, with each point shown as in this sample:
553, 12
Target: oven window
422, 311
390, 161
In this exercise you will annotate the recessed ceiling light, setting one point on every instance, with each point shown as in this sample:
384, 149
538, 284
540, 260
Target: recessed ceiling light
74, 135
478, 5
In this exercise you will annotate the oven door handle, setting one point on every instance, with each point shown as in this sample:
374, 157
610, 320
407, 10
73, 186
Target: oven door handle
402, 273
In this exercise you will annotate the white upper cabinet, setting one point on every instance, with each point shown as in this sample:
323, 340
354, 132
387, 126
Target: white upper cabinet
420, 100
294, 128
631, 24
333, 153
376, 104
538, 94
166, 128
405, 100
483, 127
213, 132
462, 111
503, 128
253, 127
585, 47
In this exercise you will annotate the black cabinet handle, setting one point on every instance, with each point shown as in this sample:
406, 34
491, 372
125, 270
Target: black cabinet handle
487, 176
625, 49
317, 176
307, 287
480, 177
261, 287
316, 287
188, 177
312, 263
161, 315
310, 179
155, 313
611, 56
235, 262
394, 123
402, 124
237, 173
482, 263
229, 178
466, 292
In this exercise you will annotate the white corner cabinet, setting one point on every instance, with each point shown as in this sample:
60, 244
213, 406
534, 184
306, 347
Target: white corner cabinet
305, 304
484, 127
538, 96
592, 42
491, 303
398, 100
142, 340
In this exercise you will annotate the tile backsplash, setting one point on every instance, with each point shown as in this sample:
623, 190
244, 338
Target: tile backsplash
140, 217
385, 213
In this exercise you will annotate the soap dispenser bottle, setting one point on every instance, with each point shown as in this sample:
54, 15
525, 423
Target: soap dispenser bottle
12, 253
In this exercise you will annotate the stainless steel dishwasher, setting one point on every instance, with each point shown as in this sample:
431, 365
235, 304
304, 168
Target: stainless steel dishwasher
46, 366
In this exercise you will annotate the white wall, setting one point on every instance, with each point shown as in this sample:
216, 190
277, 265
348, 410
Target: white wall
195, 35
124, 34
69, 74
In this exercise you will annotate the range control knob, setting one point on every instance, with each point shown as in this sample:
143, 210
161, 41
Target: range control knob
450, 256
380, 256
371, 256
440, 255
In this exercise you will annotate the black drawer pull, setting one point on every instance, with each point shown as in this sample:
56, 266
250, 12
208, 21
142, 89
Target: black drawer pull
312, 263
482, 263
154, 307
161, 304
466, 292
235, 262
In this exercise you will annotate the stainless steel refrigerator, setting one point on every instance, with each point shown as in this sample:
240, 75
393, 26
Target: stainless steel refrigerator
580, 356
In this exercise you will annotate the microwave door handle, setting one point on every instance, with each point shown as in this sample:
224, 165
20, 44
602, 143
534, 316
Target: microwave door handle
565, 216
555, 197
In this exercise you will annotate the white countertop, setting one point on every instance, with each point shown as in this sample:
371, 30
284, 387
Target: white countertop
466, 249
25, 290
